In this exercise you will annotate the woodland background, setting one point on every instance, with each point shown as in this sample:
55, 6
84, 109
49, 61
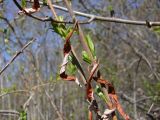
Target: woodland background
129, 57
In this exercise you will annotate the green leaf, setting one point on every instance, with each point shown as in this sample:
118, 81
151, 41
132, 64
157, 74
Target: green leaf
100, 93
71, 69
86, 57
90, 44
110, 8
23, 3
60, 18
156, 29
70, 58
44, 2
23, 115
60, 28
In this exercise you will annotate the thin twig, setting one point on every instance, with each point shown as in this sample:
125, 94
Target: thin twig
9, 112
70, 10
108, 19
38, 18
150, 108
130, 100
54, 105
143, 57
7, 21
52, 8
50, 99
17, 91
26, 104
26, 91
16, 55
85, 46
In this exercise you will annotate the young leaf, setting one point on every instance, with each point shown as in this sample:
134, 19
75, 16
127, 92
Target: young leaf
60, 28
60, 18
85, 57
156, 29
90, 44
100, 93
71, 69
23, 115
23, 3
110, 8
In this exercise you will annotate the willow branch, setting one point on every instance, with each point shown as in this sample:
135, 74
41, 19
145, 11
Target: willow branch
16, 55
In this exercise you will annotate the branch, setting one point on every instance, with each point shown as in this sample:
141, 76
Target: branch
108, 19
16, 55
38, 18
143, 57
130, 100
17, 91
26, 104
52, 9
9, 112
54, 105
7, 21
25, 91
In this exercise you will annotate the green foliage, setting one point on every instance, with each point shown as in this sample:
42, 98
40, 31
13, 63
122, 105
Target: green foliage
71, 69
23, 115
60, 28
110, 7
44, 2
100, 93
152, 89
10, 89
86, 57
91, 45
23, 3
156, 30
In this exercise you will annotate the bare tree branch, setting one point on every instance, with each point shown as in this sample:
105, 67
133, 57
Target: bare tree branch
130, 100
52, 9
38, 18
7, 21
16, 55
17, 91
26, 91
9, 112
109, 19
54, 105
143, 57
